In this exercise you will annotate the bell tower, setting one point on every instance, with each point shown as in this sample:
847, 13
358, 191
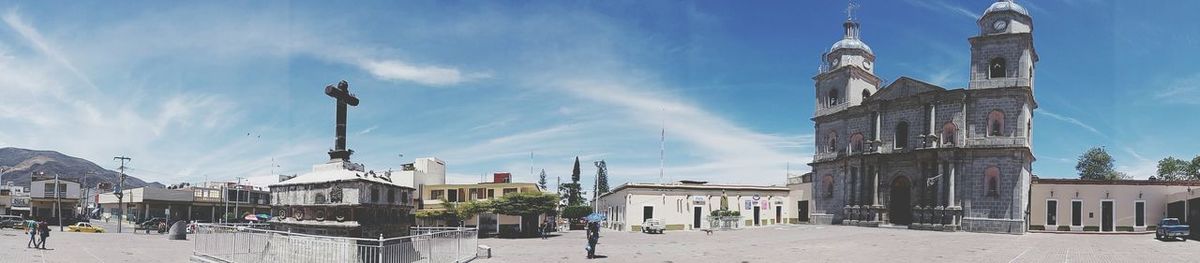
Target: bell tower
847, 72
1002, 55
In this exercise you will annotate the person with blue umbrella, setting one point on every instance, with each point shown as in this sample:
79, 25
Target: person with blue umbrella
593, 233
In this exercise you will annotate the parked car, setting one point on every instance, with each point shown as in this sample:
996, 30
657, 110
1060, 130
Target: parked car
85, 227
653, 225
11, 221
150, 224
1171, 228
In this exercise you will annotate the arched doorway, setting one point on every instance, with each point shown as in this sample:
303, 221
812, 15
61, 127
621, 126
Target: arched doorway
900, 206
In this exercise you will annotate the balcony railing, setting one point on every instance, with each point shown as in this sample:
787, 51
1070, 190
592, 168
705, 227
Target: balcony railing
823, 110
1000, 83
51, 195
996, 142
223, 243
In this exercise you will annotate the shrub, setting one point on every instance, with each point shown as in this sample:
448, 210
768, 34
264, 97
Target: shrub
576, 211
1125, 228
1091, 228
1037, 227
1064, 228
1151, 228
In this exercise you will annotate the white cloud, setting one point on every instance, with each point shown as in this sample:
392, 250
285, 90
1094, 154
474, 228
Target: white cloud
1184, 90
1070, 120
395, 70
947, 8
13, 19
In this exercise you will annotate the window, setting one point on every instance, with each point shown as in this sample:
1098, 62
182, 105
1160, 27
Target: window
509, 191
491, 193
437, 194
856, 142
996, 68
473, 193
833, 97
391, 196
949, 132
901, 135
452, 195
480, 193
827, 181
995, 125
374, 195
866, 94
1139, 212
1076, 212
992, 181
1052, 212
832, 145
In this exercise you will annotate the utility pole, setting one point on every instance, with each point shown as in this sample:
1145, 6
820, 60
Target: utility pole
58, 202
120, 195
237, 196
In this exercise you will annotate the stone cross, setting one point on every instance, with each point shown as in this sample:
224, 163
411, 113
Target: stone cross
850, 6
342, 93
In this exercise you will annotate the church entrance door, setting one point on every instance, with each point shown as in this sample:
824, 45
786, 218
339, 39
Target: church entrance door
900, 206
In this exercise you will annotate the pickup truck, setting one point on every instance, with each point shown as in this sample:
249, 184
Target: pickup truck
652, 225
1171, 228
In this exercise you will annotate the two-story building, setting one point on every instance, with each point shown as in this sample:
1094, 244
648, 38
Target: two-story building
435, 197
51, 198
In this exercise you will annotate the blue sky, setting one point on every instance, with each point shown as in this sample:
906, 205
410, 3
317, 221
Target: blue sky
217, 90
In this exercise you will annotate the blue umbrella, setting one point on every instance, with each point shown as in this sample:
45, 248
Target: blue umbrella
595, 217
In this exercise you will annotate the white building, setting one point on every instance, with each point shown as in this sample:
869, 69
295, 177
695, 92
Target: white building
688, 204
423, 171
45, 197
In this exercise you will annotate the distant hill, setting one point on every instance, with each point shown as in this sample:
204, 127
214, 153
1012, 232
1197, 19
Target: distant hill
18, 164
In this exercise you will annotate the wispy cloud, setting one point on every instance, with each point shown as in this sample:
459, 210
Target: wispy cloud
1183, 90
395, 70
368, 129
943, 7
35, 38
1070, 120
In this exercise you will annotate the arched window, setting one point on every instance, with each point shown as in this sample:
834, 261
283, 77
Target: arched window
856, 142
995, 122
949, 132
833, 97
991, 181
831, 146
865, 94
996, 68
901, 135
827, 181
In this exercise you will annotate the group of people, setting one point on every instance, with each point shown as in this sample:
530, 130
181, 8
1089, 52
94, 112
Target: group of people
38, 232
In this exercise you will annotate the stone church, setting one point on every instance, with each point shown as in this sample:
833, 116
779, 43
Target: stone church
910, 153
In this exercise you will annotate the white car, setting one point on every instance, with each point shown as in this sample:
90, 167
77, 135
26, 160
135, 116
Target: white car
653, 225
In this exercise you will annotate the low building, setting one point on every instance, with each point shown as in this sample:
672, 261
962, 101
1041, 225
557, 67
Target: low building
1185, 205
435, 197
1107, 205
213, 200
48, 201
15, 200
340, 198
800, 190
688, 204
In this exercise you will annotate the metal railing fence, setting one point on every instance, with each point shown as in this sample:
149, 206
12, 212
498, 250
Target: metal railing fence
230, 243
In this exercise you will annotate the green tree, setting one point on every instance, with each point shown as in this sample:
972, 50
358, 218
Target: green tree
454, 213
601, 177
1171, 169
525, 204
579, 211
573, 189
1194, 168
1096, 164
542, 180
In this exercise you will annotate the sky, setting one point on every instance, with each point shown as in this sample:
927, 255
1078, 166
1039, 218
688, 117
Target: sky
215, 90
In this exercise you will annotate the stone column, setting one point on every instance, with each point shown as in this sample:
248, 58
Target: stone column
942, 182
878, 122
950, 196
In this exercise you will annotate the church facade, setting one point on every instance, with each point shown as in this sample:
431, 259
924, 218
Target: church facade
915, 154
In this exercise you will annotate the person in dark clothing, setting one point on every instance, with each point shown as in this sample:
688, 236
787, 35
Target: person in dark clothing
593, 237
44, 231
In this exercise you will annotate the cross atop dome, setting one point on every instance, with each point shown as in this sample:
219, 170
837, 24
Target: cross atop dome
850, 6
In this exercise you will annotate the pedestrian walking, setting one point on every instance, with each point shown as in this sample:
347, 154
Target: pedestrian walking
31, 228
44, 232
545, 227
593, 237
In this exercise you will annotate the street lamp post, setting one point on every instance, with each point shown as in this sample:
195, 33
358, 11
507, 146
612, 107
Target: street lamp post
58, 202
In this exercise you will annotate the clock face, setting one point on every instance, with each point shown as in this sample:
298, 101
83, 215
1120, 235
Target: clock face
999, 25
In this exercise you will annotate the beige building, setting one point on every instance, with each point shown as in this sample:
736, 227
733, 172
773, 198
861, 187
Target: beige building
687, 204
800, 191
434, 197
1105, 206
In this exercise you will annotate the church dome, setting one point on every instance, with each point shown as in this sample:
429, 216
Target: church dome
850, 43
1005, 5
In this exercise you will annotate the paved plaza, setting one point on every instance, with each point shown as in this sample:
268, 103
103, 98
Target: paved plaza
809, 243
94, 247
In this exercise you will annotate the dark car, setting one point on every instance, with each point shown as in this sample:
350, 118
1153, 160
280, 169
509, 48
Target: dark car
150, 224
1171, 228
7, 221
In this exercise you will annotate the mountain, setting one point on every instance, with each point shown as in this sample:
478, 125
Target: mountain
17, 166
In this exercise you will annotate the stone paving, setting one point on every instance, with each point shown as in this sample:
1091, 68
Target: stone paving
809, 243
93, 247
